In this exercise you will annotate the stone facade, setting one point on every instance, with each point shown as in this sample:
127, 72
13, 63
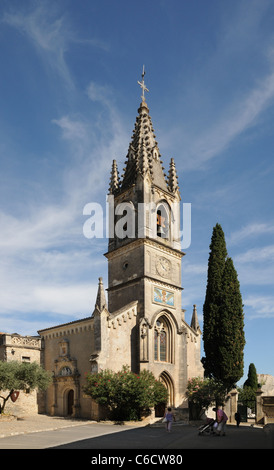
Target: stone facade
66, 353
265, 399
267, 384
142, 324
14, 347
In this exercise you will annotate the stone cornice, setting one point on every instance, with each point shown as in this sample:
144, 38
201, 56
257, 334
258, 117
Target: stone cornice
144, 241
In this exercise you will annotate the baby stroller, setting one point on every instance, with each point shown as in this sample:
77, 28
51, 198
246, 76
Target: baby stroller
208, 427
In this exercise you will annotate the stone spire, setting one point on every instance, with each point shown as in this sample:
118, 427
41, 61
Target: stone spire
194, 321
114, 178
143, 154
143, 162
101, 298
172, 177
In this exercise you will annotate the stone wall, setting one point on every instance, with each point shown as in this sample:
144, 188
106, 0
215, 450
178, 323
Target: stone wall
14, 347
267, 384
66, 353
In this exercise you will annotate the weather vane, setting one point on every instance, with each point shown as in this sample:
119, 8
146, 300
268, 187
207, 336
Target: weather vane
142, 84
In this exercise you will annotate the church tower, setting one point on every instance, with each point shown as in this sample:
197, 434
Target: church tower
144, 261
141, 322
144, 256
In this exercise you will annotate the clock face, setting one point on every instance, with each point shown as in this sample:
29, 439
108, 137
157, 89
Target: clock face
163, 267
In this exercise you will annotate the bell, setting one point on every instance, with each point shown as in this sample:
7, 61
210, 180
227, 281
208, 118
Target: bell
160, 230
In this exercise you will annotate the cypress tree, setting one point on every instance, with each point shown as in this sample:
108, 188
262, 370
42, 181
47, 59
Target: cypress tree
231, 339
252, 379
211, 308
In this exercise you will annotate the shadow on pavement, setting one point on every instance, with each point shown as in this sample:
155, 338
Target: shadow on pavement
181, 438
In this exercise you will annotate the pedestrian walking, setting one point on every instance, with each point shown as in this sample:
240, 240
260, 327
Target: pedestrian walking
168, 418
221, 419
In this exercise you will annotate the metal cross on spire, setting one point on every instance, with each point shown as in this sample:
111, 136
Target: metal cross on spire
142, 84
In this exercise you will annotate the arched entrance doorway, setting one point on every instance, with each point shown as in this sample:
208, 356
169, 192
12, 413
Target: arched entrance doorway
70, 401
166, 379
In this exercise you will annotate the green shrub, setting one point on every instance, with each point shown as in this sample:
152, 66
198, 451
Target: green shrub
127, 396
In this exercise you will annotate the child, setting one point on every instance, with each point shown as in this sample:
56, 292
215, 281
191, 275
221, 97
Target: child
169, 416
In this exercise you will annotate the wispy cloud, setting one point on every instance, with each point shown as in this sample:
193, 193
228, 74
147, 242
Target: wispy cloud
101, 93
226, 110
255, 266
259, 306
265, 254
251, 275
72, 128
249, 231
46, 268
92, 144
235, 121
51, 35
43, 228
45, 257
48, 33
194, 268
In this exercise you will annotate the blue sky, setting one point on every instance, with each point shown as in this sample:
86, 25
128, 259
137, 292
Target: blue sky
69, 98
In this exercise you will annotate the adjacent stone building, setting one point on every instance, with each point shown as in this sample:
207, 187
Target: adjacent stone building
142, 324
14, 347
267, 384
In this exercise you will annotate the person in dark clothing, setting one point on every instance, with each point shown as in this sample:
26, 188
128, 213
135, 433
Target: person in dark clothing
238, 418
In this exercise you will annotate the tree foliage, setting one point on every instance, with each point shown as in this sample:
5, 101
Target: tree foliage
247, 393
211, 308
252, 379
202, 393
125, 394
223, 316
16, 375
247, 396
231, 341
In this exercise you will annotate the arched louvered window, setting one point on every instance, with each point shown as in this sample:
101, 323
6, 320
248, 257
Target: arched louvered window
162, 221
